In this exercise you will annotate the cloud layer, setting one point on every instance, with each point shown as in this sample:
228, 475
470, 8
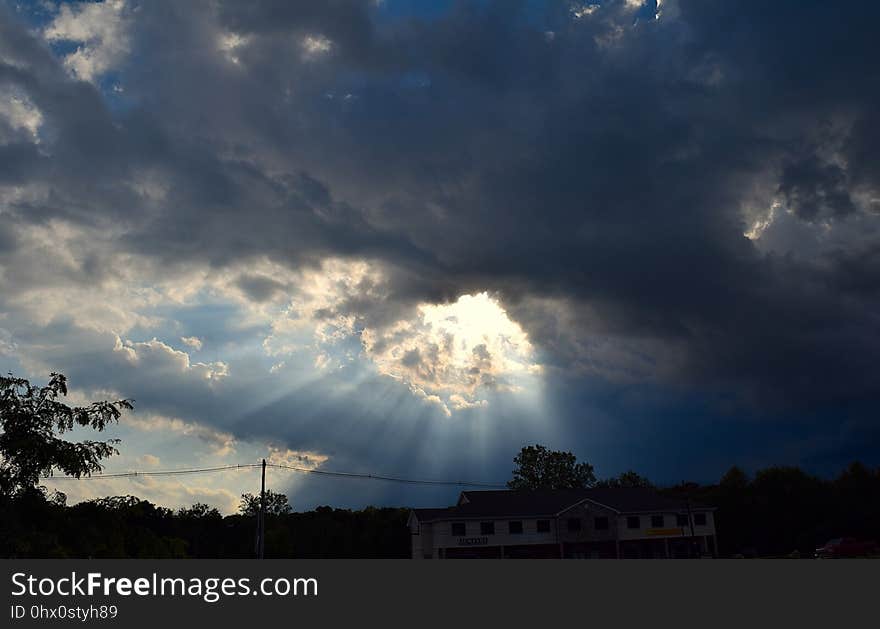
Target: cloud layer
665, 210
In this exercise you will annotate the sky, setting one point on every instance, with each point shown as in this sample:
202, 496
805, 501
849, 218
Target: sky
409, 238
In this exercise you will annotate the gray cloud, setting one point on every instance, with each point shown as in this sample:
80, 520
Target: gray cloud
599, 181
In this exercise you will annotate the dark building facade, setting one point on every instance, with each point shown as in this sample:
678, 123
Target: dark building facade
579, 523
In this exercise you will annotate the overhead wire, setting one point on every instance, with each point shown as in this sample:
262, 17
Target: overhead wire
303, 470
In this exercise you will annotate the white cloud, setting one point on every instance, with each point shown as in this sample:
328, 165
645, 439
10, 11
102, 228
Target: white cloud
658, 11
229, 43
149, 460
458, 402
279, 455
221, 443
317, 313
315, 45
101, 29
156, 357
432, 399
7, 343
584, 10
456, 348
52, 275
19, 112
192, 341
760, 225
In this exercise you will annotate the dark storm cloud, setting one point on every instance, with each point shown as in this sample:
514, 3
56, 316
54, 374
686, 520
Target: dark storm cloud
601, 163
346, 22
815, 190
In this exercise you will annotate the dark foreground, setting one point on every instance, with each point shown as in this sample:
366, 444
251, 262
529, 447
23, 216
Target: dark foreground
781, 512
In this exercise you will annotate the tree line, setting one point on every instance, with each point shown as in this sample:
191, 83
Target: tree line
780, 511
39, 524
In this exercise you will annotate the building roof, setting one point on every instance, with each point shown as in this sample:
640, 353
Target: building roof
551, 502
426, 515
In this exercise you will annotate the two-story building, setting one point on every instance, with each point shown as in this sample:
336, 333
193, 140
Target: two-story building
575, 523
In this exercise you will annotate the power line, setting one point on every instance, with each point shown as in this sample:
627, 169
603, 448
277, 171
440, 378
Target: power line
394, 479
154, 473
303, 470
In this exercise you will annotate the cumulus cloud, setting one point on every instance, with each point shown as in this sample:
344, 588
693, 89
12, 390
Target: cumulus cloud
155, 357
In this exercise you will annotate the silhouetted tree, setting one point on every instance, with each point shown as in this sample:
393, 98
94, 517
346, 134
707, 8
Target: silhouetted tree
628, 478
276, 504
540, 468
735, 479
200, 511
31, 418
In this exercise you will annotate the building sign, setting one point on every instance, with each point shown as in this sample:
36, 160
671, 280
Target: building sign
473, 541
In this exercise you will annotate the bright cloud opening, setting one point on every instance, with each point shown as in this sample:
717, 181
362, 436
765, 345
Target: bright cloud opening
460, 351
451, 355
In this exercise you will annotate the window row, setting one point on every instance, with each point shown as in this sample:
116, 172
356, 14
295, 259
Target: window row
515, 527
659, 521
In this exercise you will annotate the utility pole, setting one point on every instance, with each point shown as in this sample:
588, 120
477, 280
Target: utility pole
263, 512
691, 522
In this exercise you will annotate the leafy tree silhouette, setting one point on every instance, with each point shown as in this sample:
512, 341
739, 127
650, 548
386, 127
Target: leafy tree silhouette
540, 468
628, 478
31, 420
276, 504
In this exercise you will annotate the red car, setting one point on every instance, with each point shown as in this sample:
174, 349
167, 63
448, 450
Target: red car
846, 547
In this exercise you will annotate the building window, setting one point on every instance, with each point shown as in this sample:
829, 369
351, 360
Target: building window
681, 519
600, 524
515, 527
700, 519
458, 529
487, 528
574, 524
633, 522
543, 526
657, 521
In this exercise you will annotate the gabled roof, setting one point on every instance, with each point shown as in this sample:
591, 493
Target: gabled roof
506, 502
552, 502
640, 500
426, 515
